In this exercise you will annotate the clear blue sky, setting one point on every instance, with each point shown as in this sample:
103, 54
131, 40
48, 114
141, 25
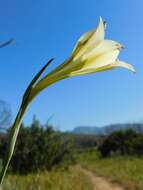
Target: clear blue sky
50, 28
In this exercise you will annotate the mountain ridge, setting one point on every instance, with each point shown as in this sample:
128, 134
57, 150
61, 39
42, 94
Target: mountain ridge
104, 130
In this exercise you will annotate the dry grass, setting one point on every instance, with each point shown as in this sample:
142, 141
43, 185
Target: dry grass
71, 179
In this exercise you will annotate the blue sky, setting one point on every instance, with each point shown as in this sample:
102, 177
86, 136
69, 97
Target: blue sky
50, 28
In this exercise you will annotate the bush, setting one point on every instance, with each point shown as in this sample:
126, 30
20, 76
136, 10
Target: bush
39, 148
126, 142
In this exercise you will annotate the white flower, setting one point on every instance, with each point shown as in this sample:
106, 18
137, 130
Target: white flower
91, 54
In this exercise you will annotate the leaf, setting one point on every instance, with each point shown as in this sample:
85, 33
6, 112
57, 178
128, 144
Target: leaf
35, 79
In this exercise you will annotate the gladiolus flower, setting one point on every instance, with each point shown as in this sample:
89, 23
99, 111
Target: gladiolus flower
91, 54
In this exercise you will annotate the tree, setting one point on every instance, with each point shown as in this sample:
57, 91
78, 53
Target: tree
127, 142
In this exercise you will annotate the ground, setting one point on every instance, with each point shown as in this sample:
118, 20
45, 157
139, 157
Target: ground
100, 183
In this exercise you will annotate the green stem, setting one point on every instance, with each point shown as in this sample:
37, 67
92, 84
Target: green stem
16, 126
12, 141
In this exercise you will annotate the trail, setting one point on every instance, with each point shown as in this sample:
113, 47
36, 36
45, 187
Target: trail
100, 183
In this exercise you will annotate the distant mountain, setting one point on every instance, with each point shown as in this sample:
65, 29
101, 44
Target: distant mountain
107, 129
88, 130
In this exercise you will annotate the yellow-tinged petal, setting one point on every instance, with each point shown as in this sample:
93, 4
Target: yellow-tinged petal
89, 40
119, 63
93, 64
98, 34
105, 67
102, 48
82, 40
102, 59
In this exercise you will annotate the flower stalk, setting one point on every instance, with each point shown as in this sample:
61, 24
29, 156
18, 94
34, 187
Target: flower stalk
16, 126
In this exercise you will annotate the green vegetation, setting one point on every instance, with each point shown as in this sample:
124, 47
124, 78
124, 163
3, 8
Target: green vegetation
38, 148
60, 179
126, 170
47, 159
119, 158
127, 142
43, 159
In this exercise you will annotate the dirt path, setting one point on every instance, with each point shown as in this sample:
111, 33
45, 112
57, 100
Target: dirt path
100, 183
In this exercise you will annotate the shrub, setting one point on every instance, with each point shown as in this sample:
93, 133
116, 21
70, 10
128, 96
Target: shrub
120, 142
39, 148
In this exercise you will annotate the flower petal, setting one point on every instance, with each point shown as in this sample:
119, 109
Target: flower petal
88, 40
119, 63
82, 40
98, 34
96, 64
103, 47
102, 60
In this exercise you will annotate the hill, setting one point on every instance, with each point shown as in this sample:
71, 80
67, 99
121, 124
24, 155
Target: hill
105, 130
